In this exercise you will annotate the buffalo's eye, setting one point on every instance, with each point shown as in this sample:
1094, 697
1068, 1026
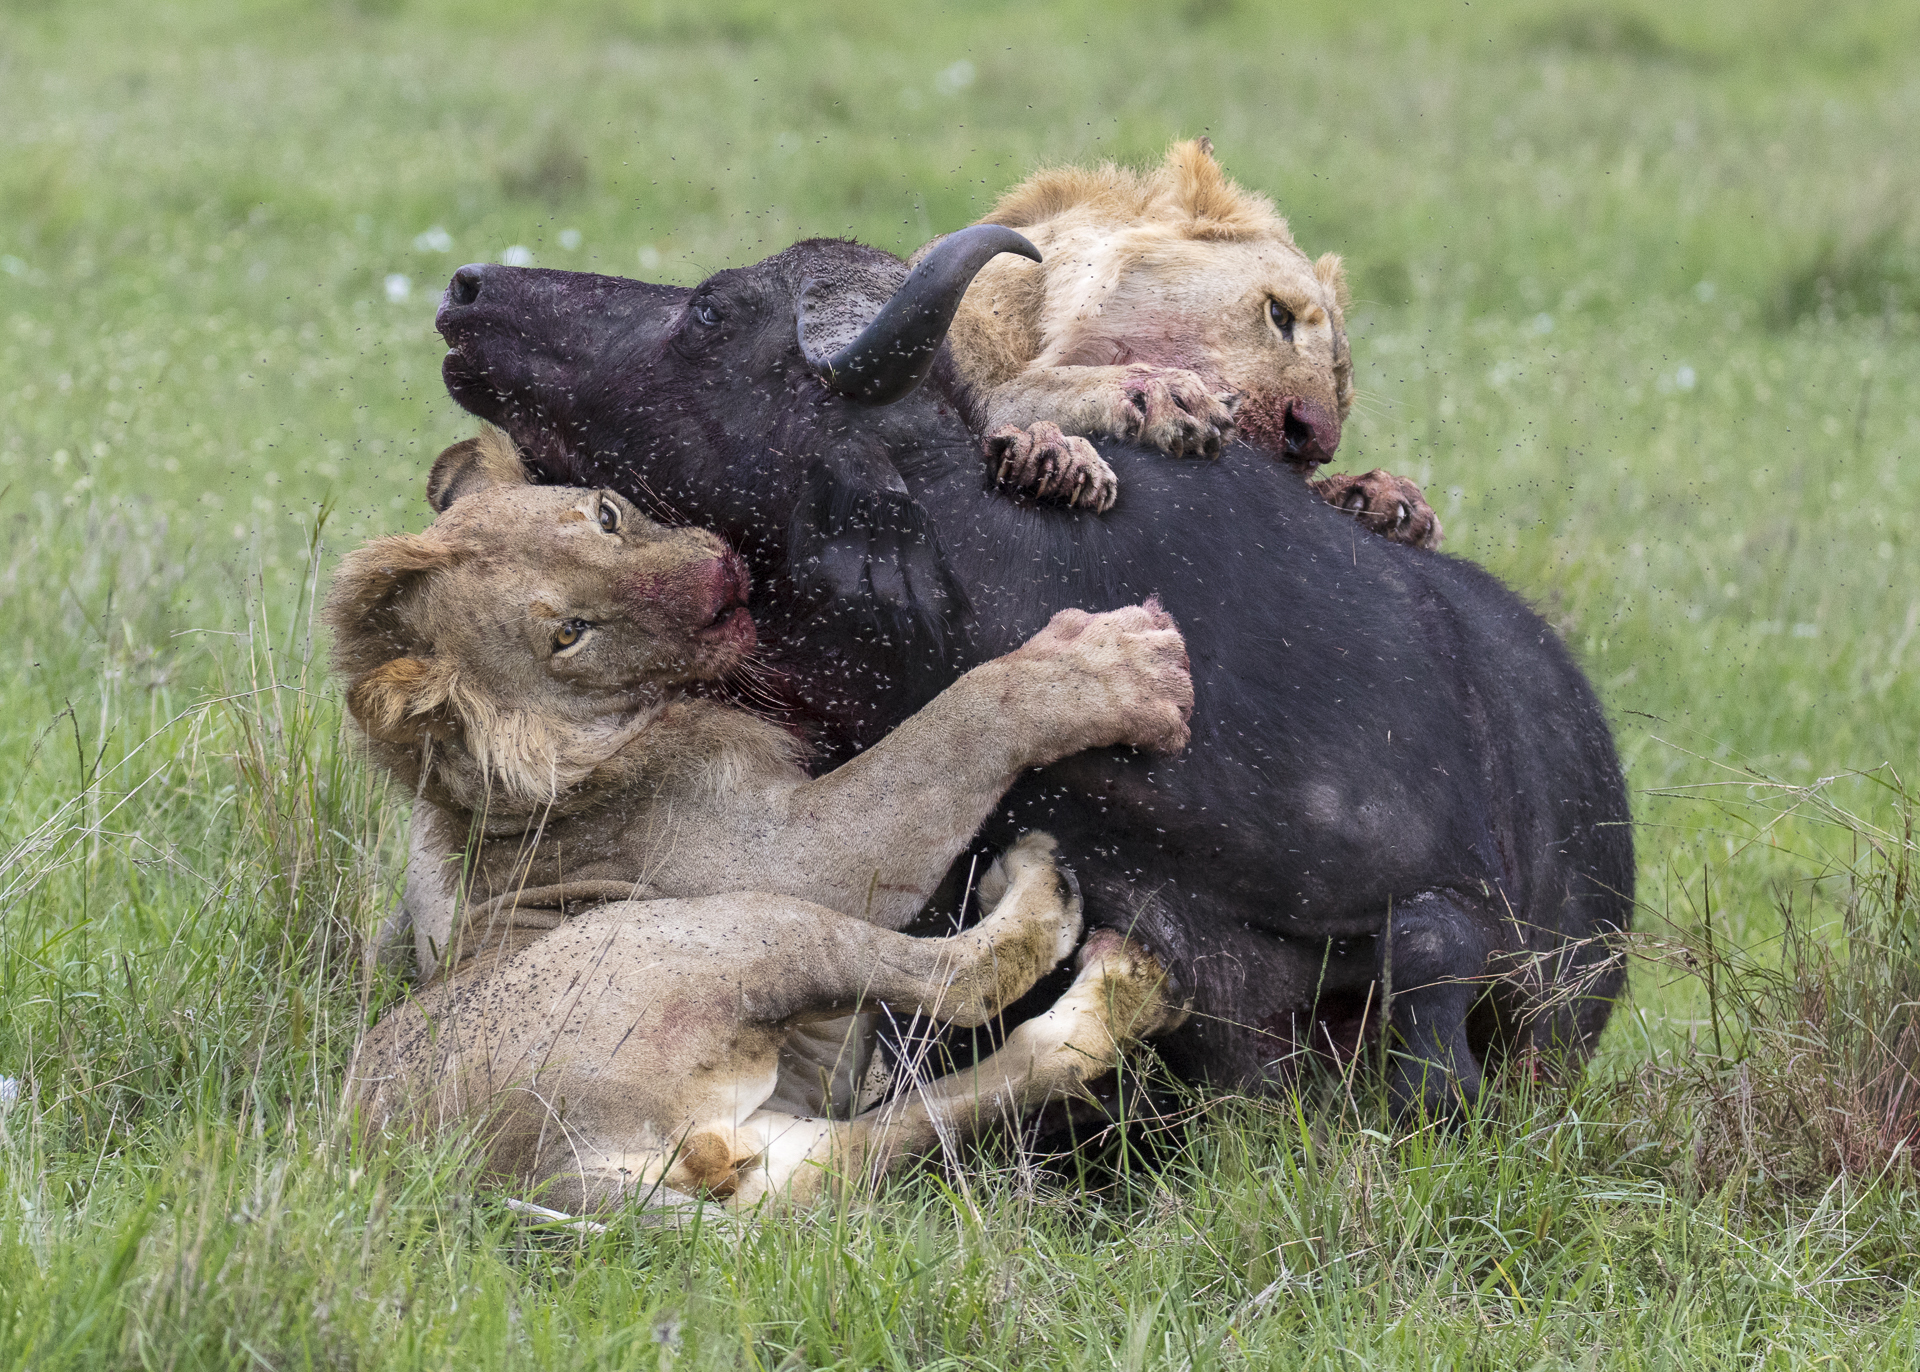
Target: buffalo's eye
1282, 318
706, 314
609, 517
570, 634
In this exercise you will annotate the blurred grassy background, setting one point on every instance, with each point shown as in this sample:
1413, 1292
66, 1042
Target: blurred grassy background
1638, 301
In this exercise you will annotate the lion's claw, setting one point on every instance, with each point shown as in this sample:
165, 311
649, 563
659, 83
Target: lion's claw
1044, 462
1388, 505
1176, 411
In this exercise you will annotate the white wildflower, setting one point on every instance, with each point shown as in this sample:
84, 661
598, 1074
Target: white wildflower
955, 78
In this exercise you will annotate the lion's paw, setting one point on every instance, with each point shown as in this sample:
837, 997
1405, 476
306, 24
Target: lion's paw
1044, 462
1176, 411
1127, 679
1385, 504
1029, 851
1040, 890
1130, 984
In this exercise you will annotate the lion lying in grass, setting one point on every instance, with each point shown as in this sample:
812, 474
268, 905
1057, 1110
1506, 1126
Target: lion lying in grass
1169, 308
617, 1022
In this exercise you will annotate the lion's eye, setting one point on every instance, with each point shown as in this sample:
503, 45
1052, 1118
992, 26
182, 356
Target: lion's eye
609, 517
706, 314
570, 634
1282, 318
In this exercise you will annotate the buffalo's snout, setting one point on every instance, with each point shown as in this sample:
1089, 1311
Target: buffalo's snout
525, 338
476, 284
464, 289
485, 298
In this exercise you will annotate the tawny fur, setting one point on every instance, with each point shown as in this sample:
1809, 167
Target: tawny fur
643, 910
1148, 316
1151, 317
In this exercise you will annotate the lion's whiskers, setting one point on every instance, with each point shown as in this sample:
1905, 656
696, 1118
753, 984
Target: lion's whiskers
750, 684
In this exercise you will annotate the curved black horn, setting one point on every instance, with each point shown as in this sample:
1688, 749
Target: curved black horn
895, 351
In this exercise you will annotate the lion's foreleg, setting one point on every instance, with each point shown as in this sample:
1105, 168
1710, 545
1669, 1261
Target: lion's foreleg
875, 836
1170, 408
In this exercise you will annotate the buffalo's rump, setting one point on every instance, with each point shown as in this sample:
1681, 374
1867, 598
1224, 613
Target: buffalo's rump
1371, 723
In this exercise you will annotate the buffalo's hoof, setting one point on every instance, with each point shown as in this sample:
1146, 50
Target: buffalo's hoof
1388, 505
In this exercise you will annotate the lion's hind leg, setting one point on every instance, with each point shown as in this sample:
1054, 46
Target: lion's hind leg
1118, 998
969, 977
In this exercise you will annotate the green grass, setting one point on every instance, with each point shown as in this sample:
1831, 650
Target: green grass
1637, 297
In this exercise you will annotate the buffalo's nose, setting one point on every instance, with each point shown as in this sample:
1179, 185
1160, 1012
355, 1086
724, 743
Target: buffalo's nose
465, 288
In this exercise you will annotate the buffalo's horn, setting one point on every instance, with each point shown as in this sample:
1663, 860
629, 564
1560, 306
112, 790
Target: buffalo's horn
895, 351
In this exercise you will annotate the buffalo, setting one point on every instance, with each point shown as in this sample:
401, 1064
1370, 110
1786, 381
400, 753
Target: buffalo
1400, 790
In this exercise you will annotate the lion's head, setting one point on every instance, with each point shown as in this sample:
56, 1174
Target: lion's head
502, 655
1182, 267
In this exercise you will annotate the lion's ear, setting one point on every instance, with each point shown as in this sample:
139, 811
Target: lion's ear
370, 578
1332, 273
487, 459
1200, 187
365, 605
397, 699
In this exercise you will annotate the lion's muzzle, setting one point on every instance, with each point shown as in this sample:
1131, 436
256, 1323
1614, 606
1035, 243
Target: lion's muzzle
700, 597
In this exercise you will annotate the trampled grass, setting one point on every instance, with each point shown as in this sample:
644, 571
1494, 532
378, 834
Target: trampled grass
1638, 294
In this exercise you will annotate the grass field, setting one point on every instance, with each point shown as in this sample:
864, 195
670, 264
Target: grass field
1639, 303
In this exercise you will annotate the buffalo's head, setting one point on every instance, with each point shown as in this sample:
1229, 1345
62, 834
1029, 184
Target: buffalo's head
769, 403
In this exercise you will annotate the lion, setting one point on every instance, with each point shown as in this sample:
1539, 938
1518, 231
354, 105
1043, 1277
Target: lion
655, 898
1170, 308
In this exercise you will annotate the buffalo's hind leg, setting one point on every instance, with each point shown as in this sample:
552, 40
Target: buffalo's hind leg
1555, 1000
1434, 969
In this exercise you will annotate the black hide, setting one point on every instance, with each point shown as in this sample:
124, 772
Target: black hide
1376, 728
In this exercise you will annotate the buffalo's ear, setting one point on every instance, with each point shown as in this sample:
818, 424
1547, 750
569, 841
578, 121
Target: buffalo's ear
487, 459
1332, 273
838, 299
860, 548
869, 328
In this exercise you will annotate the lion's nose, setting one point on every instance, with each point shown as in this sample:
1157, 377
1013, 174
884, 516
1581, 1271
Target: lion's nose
691, 593
1309, 434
